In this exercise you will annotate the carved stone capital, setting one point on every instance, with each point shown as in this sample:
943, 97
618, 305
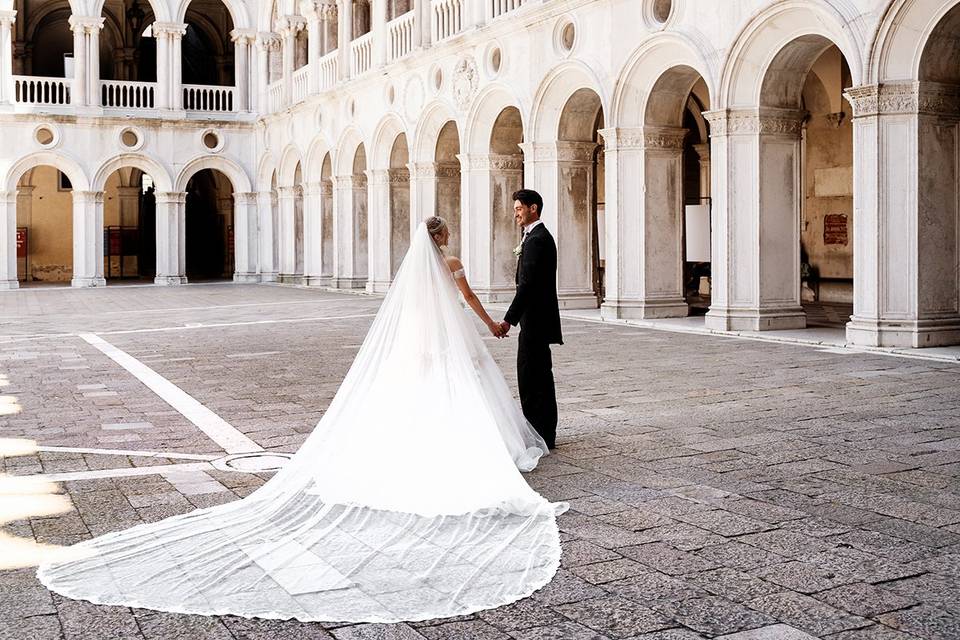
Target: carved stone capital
664, 138
169, 29
8, 18
290, 25
286, 193
448, 170
764, 121
422, 170
86, 24
269, 41
928, 98
87, 197
560, 151
243, 36
244, 198
376, 176
171, 197
399, 175
491, 162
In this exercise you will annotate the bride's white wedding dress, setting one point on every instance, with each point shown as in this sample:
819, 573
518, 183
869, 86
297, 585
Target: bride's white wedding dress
405, 503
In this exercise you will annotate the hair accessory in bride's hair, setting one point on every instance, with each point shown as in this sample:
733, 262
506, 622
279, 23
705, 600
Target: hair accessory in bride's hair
435, 225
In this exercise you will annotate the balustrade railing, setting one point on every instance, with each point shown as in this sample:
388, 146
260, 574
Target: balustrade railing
301, 83
448, 18
41, 91
127, 95
275, 96
328, 70
362, 50
401, 36
500, 7
198, 97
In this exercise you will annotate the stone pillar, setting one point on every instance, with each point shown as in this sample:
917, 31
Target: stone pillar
245, 242
489, 233
78, 89
93, 28
266, 42
88, 239
345, 38
128, 198
312, 234
326, 232
267, 236
565, 171
703, 155
171, 238
423, 193
314, 15
289, 26
8, 240
905, 220
328, 26
756, 220
7, 21
169, 36
350, 255
380, 34
379, 230
423, 23
644, 223
242, 43
447, 199
287, 233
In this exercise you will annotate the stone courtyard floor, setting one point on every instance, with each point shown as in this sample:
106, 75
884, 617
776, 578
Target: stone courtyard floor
719, 487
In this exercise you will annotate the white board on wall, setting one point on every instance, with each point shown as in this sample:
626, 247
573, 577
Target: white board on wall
698, 232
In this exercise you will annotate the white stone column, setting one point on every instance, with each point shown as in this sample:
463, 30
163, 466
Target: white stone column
88, 239
287, 231
644, 225
245, 241
328, 26
905, 220
93, 28
7, 21
171, 238
755, 270
347, 270
380, 35
242, 44
326, 232
289, 26
423, 23
78, 89
423, 193
314, 15
169, 65
312, 234
8, 240
266, 42
267, 236
176, 57
703, 155
345, 38
564, 172
378, 230
480, 12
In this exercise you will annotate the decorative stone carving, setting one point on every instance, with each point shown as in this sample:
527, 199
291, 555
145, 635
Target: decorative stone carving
782, 122
929, 98
465, 82
422, 170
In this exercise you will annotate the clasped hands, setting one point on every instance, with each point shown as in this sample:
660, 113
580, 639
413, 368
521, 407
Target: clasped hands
499, 329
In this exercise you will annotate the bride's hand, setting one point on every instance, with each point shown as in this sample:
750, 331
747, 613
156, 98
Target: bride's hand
495, 329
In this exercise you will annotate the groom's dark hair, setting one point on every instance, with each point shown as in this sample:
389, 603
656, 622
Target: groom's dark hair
529, 197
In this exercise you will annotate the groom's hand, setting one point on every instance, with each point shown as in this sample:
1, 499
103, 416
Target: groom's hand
504, 329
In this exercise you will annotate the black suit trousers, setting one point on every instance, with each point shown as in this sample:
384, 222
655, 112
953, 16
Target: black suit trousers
538, 396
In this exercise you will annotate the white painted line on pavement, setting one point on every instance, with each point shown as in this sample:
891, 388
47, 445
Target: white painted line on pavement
131, 452
218, 325
126, 472
216, 428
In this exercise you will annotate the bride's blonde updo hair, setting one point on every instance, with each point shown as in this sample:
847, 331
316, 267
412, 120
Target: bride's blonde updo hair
435, 226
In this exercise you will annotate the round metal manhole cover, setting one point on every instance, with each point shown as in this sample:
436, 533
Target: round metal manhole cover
253, 462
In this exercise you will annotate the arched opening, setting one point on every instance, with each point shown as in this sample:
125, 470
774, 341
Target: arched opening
129, 223
44, 226
506, 177
43, 41
128, 49
358, 229
362, 18
580, 205
207, 49
209, 226
448, 183
396, 8
806, 181
326, 220
399, 177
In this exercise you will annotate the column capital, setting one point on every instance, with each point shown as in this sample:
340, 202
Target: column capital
269, 40
243, 36
398, 175
645, 138
932, 98
756, 121
419, 170
342, 182
7, 17
87, 197
314, 188
286, 193
560, 151
171, 197
9, 197
245, 198
702, 150
491, 161
86, 24
316, 10
290, 25
171, 29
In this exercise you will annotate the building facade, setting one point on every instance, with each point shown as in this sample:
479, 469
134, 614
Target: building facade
737, 157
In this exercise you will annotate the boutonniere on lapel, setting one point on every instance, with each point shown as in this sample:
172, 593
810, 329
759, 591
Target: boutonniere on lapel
517, 250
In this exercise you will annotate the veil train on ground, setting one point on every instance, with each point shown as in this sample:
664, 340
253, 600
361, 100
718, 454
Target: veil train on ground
405, 503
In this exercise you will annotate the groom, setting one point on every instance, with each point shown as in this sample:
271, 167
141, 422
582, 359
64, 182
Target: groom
536, 310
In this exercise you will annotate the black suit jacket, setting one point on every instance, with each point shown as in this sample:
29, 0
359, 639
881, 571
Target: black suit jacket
535, 307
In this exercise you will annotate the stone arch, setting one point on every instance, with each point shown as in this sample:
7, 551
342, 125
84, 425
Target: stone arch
237, 9
554, 94
758, 49
289, 160
646, 67
432, 120
160, 175
484, 114
60, 160
266, 170
346, 149
903, 36
230, 168
313, 162
161, 10
384, 137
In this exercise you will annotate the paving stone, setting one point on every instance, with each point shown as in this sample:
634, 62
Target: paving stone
566, 587
521, 615
477, 629
82, 620
580, 552
724, 523
39, 627
865, 599
665, 558
873, 632
162, 626
732, 584
924, 621
650, 587
376, 632
773, 632
671, 634
713, 615
805, 577
615, 617
256, 629
561, 631
806, 613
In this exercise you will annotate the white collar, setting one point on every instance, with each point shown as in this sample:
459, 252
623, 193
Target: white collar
530, 227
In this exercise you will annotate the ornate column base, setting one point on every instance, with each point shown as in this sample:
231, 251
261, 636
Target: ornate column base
583, 299
496, 294
377, 286
767, 319
318, 281
246, 278
170, 280
644, 309
290, 278
348, 283
85, 283
871, 332
269, 276
9, 285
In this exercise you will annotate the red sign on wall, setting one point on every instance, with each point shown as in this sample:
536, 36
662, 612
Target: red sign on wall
21, 242
835, 229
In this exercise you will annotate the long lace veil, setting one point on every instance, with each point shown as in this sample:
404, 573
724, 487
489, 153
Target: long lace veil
405, 503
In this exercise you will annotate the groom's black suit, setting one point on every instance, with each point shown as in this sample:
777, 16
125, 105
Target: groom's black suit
536, 310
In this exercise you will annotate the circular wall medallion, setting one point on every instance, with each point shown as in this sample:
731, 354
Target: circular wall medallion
211, 140
130, 138
46, 135
436, 79
657, 12
494, 60
390, 95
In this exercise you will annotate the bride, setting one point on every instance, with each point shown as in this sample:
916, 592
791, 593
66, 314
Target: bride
405, 503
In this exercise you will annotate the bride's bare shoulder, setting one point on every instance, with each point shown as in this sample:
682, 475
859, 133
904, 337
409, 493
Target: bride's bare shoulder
453, 263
